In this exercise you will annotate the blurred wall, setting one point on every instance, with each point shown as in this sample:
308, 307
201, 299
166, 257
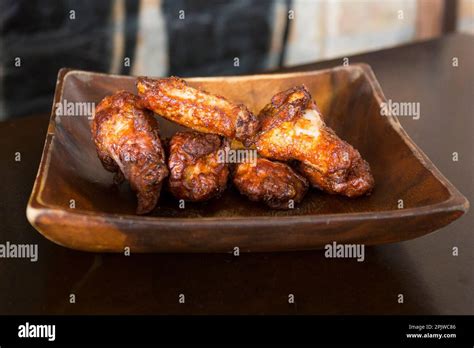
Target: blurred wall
328, 29
187, 38
465, 22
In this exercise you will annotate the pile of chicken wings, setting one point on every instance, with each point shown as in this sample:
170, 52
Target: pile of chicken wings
295, 147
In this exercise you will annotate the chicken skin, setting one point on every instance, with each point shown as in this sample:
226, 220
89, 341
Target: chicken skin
173, 99
292, 129
197, 171
127, 140
273, 183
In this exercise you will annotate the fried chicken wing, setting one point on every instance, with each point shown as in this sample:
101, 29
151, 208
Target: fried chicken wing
173, 99
127, 140
354, 182
292, 129
197, 170
274, 183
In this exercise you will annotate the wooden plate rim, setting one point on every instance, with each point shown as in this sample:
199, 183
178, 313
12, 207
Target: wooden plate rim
36, 207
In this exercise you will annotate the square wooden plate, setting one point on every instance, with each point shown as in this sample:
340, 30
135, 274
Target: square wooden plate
74, 203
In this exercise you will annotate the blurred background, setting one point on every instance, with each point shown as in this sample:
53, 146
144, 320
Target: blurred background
198, 37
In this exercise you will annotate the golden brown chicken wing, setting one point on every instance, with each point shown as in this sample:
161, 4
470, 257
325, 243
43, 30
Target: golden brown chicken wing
197, 171
353, 182
173, 99
128, 143
292, 129
274, 183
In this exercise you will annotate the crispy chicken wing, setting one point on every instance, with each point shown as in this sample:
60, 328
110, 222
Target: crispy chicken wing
274, 183
197, 171
128, 144
292, 129
173, 99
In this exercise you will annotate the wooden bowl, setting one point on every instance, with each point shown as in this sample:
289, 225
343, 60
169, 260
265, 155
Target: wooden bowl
74, 203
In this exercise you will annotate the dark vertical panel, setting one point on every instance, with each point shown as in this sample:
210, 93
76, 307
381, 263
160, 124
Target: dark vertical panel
42, 35
285, 34
450, 16
214, 32
131, 30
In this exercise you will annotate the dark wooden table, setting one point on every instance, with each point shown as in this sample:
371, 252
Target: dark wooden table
432, 280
